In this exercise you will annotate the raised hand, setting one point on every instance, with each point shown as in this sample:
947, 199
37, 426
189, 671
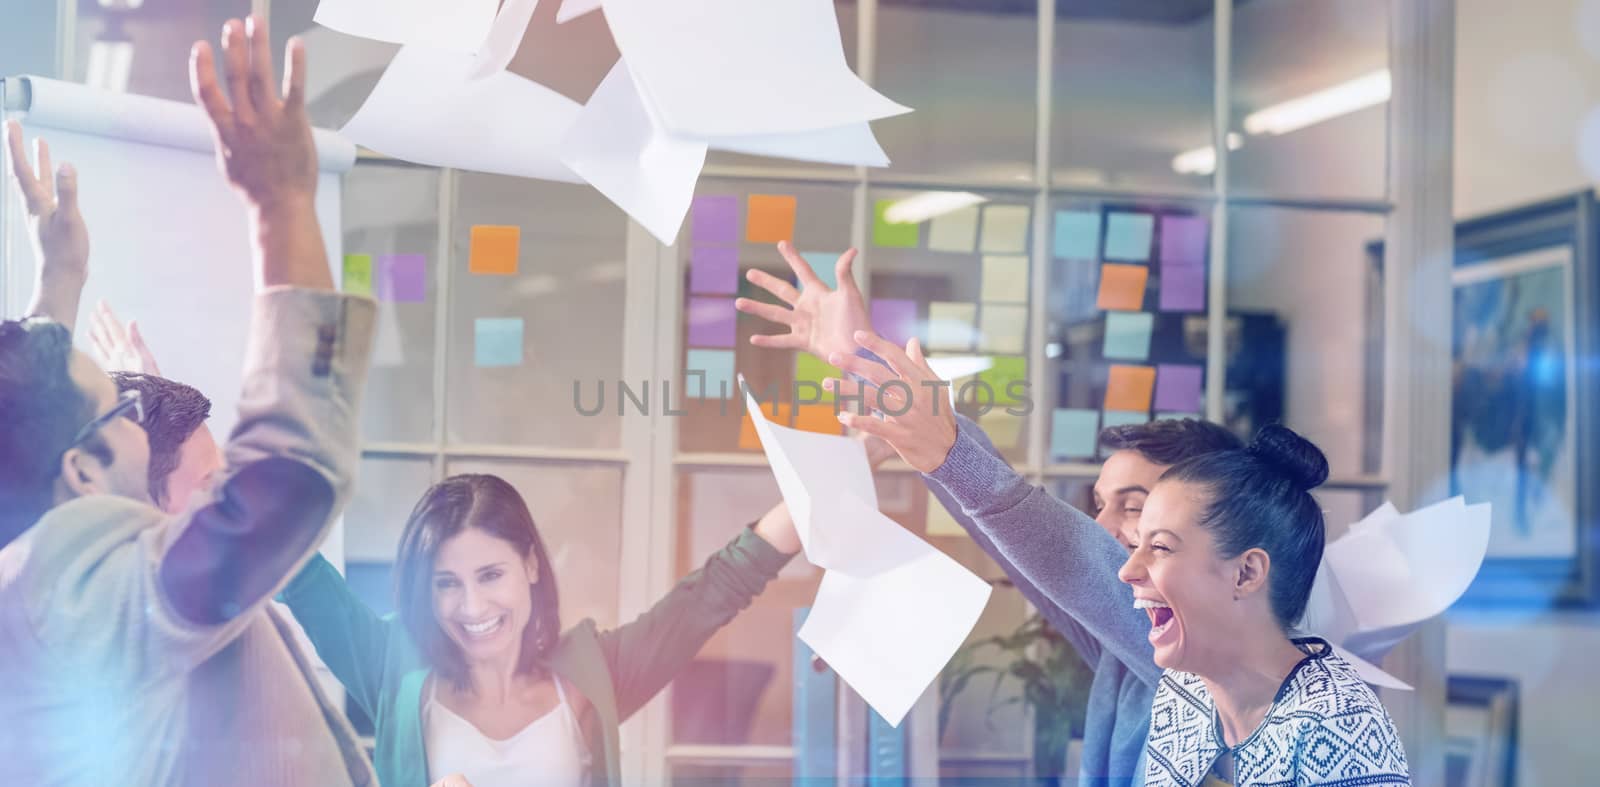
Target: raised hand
60, 237
120, 350
453, 780
918, 421
821, 320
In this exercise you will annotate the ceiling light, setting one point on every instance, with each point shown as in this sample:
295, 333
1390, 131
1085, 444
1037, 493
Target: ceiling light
1341, 99
918, 208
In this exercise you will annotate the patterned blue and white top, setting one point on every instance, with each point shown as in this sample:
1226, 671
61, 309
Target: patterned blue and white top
1325, 727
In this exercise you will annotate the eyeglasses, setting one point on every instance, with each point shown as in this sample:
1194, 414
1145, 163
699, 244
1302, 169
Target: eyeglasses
129, 405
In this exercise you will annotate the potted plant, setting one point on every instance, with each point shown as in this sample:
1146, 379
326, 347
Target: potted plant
1054, 686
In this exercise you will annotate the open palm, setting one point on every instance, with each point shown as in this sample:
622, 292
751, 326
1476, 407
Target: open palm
821, 320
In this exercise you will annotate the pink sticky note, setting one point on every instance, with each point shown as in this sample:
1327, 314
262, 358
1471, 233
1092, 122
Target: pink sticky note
714, 269
895, 319
716, 219
1178, 388
1183, 240
402, 278
711, 322
1183, 288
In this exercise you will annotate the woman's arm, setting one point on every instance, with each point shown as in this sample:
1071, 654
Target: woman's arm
646, 654
349, 637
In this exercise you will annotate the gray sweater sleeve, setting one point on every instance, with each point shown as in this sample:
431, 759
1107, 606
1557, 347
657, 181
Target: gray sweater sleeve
1060, 559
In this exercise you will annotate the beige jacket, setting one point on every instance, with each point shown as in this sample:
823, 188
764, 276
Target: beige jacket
139, 648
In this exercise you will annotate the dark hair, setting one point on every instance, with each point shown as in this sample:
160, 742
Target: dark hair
451, 506
172, 413
42, 408
1260, 496
1171, 440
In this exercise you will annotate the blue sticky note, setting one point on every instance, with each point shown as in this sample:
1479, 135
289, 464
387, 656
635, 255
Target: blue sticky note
1128, 236
1077, 235
1124, 418
822, 263
1128, 335
497, 341
718, 368
1073, 433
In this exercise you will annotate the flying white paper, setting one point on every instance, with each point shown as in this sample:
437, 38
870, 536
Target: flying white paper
572, 9
504, 37
458, 26
891, 610
735, 68
425, 109
851, 145
616, 148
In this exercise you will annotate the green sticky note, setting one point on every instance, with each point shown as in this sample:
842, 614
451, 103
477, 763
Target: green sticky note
1000, 376
358, 274
1073, 434
809, 368
900, 236
1128, 335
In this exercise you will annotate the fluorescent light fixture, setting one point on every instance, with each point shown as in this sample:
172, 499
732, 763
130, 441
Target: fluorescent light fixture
1309, 110
1203, 161
918, 208
110, 65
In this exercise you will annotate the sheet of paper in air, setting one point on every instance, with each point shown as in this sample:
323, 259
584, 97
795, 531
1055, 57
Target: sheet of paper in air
427, 110
953, 368
505, 35
616, 147
459, 26
891, 609
708, 68
572, 9
851, 144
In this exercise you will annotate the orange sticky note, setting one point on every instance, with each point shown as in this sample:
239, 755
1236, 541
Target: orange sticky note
494, 250
1122, 287
818, 418
749, 440
1130, 388
770, 218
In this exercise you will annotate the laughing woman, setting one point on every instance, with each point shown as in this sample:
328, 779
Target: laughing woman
475, 682
1228, 546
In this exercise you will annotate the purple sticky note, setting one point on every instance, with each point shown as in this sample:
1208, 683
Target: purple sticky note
716, 219
1183, 240
1183, 288
1178, 388
714, 269
402, 278
711, 322
895, 319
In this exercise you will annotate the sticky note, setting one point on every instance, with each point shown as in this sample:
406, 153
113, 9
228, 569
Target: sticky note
494, 250
1178, 387
1123, 418
716, 219
1077, 235
1183, 288
952, 326
1006, 379
1129, 388
823, 263
497, 341
1005, 279
819, 418
1128, 236
956, 231
1003, 428
1122, 287
894, 319
770, 219
1003, 328
714, 269
1073, 433
809, 368
358, 274
940, 522
712, 322
899, 236
779, 413
718, 383
1183, 240
1005, 229
1128, 335
402, 278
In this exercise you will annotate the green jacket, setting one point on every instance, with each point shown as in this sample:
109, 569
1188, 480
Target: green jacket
617, 671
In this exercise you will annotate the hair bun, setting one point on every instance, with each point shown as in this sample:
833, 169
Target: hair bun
1292, 455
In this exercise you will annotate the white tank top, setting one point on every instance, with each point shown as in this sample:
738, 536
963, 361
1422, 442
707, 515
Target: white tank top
549, 752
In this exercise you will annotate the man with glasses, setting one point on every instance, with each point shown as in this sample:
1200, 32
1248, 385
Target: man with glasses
138, 645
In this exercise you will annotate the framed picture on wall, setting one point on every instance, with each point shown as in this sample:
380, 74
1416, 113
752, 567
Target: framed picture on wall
1521, 424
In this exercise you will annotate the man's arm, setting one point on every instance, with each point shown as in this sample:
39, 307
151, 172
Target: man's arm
60, 238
